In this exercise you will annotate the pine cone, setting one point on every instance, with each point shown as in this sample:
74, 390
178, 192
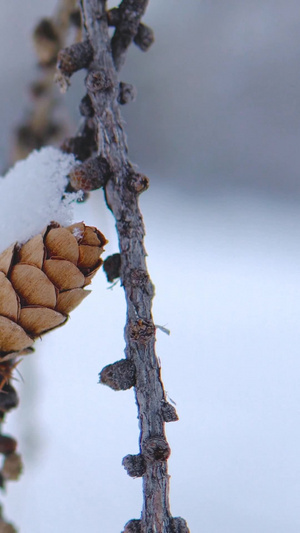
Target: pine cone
43, 280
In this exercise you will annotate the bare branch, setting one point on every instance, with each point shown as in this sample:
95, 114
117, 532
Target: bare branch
121, 191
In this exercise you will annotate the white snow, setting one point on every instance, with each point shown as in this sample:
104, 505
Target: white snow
32, 195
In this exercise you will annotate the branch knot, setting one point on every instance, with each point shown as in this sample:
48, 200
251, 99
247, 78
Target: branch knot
156, 449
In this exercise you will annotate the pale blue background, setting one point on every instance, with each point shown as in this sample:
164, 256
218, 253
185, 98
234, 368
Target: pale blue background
216, 127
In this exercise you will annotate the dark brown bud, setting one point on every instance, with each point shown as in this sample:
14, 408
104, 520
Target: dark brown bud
98, 80
156, 449
113, 16
127, 93
8, 398
90, 175
178, 525
38, 89
77, 146
75, 18
169, 412
134, 465
112, 266
86, 107
47, 42
46, 30
5, 527
74, 58
137, 182
7, 444
12, 466
133, 526
144, 37
118, 376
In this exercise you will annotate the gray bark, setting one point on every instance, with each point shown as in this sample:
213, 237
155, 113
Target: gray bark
121, 193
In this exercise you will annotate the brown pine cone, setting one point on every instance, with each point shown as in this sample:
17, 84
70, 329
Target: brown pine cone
43, 280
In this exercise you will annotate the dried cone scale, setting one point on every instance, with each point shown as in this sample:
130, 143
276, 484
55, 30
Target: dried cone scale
43, 280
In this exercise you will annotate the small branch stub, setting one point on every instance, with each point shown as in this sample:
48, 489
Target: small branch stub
134, 465
156, 449
118, 376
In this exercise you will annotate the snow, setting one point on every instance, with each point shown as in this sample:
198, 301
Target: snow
227, 276
32, 195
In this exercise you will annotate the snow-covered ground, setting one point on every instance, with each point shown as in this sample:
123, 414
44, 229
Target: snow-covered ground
227, 278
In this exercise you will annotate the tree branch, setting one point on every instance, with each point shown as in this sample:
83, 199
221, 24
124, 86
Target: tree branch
121, 192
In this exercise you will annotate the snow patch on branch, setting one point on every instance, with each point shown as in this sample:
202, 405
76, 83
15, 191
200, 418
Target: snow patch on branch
32, 195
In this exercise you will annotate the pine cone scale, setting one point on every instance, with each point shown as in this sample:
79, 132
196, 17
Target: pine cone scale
13, 337
6, 259
38, 320
63, 274
68, 300
33, 252
61, 243
33, 285
9, 302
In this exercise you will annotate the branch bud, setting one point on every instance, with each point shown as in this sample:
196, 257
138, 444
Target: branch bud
8, 398
12, 467
98, 80
74, 58
113, 16
178, 525
81, 147
137, 182
112, 266
75, 18
144, 37
156, 449
127, 93
168, 412
5, 527
47, 42
90, 175
118, 376
86, 107
134, 465
133, 526
7, 444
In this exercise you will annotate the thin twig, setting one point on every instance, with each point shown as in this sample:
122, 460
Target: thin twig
122, 185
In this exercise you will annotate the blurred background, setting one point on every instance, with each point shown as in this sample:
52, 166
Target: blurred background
216, 128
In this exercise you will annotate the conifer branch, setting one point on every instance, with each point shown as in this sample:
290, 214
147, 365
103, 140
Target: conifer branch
122, 187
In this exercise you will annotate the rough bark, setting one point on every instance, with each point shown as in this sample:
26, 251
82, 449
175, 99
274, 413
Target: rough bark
121, 193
